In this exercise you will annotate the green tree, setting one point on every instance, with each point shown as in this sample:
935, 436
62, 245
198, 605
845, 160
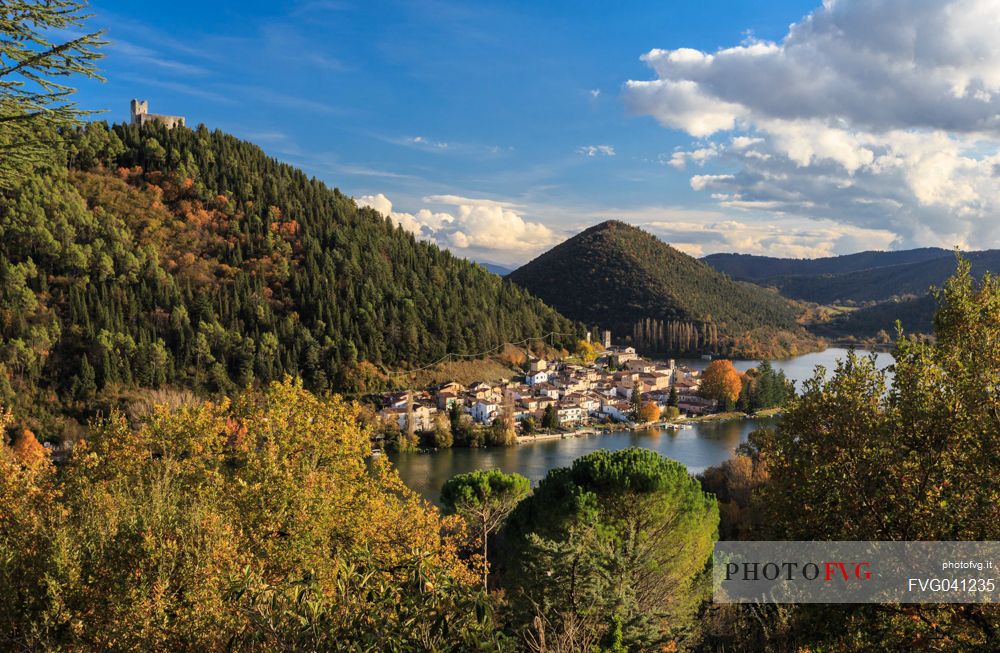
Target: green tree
550, 417
764, 387
484, 499
914, 459
625, 533
85, 383
635, 403
33, 104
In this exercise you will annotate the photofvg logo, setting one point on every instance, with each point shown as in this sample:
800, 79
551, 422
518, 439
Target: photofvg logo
826, 571
856, 572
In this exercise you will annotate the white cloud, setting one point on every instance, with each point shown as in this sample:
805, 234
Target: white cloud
458, 200
596, 150
474, 227
884, 114
701, 182
425, 143
423, 223
595, 93
699, 156
794, 238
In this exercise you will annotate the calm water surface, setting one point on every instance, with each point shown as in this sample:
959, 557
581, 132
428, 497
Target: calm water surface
703, 445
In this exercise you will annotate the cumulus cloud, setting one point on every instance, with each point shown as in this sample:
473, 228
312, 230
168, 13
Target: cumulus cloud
596, 150
423, 223
472, 227
884, 114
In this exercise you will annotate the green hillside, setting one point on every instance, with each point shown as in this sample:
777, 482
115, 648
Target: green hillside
617, 276
916, 314
189, 258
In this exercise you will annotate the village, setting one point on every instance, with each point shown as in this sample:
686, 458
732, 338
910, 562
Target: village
560, 394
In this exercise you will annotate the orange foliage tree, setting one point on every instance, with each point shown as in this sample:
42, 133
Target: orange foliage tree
649, 411
721, 381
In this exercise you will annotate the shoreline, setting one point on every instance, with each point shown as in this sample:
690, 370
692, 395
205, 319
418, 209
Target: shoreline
666, 425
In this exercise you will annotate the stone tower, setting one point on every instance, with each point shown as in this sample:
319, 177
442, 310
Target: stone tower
141, 116
139, 108
606, 339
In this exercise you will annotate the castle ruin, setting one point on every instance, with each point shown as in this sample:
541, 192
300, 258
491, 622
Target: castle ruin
141, 116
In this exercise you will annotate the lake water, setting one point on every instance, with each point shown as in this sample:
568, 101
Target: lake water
700, 446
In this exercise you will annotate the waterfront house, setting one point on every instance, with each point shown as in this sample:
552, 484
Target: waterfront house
484, 411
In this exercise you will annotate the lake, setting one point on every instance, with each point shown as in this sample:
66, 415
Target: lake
702, 445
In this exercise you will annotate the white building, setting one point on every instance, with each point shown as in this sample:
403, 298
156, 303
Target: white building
423, 417
484, 411
570, 414
534, 378
617, 410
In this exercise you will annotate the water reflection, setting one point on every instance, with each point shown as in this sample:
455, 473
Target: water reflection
698, 447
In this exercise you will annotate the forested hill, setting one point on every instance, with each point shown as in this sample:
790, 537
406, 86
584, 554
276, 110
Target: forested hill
885, 287
189, 257
620, 277
755, 268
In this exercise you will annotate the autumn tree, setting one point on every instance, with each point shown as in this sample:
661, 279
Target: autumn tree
28, 449
253, 525
588, 351
484, 499
720, 381
649, 412
735, 484
441, 437
502, 432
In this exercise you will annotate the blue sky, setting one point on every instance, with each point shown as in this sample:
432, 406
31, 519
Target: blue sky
497, 129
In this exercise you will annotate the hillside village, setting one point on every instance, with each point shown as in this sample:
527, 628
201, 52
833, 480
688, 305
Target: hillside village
580, 394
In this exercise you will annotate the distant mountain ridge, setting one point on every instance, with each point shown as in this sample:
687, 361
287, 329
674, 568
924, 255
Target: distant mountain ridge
614, 275
753, 267
888, 286
882, 283
496, 269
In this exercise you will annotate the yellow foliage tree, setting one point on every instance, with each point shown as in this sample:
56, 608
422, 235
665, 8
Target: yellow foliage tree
588, 351
253, 525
